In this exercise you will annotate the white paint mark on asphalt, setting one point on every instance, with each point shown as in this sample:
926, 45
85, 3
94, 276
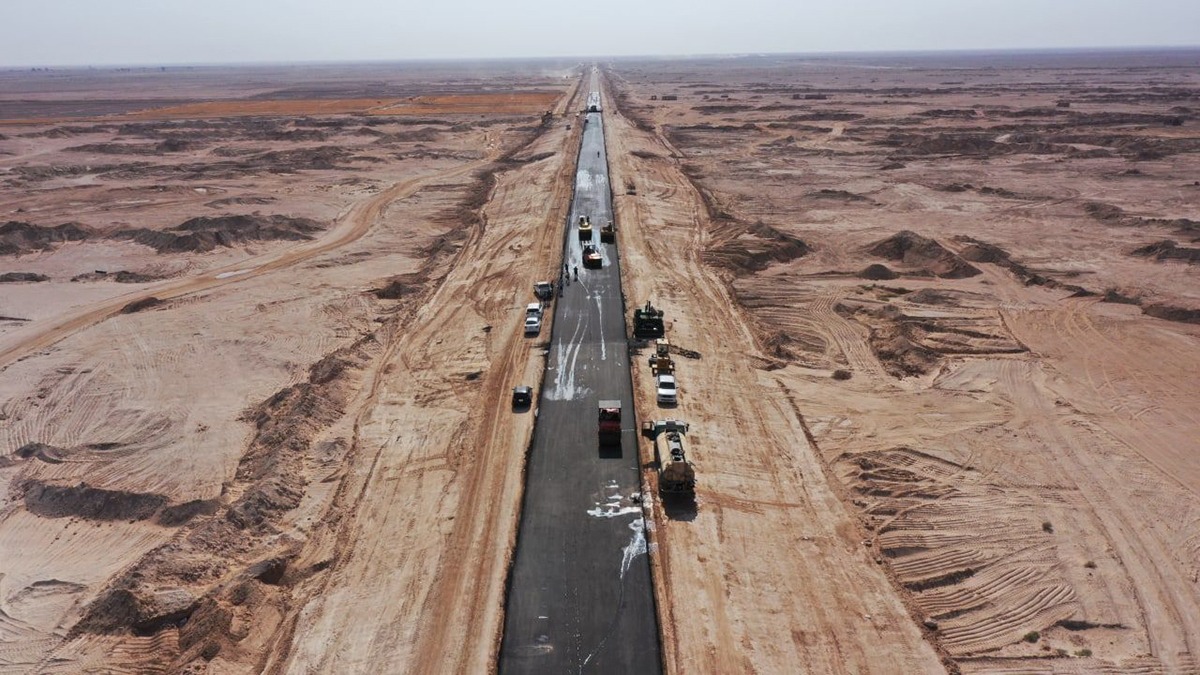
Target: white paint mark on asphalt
567, 357
600, 317
226, 275
635, 547
583, 180
612, 511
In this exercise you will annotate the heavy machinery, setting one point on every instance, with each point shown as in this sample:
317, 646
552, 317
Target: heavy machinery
609, 427
608, 233
676, 475
661, 362
543, 290
592, 257
648, 322
585, 228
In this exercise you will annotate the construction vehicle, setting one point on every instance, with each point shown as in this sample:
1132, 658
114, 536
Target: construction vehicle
610, 423
543, 290
608, 233
648, 322
585, 228
592, 257
676, 475
661, 362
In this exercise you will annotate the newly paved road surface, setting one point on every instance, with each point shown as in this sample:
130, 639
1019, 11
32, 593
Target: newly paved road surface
581, 600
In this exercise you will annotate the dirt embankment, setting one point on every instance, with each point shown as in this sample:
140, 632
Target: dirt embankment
17, 238
197, 235
202, 234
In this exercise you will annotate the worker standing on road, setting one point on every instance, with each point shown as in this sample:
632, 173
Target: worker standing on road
577, 273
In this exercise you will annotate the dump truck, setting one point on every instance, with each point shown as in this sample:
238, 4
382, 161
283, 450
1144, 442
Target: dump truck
648, 322
609, 429
608, 233
676, 475
585, 228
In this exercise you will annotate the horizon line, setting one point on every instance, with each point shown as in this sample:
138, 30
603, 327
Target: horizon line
595, 58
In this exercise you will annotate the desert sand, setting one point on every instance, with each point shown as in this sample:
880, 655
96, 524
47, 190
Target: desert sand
938, 321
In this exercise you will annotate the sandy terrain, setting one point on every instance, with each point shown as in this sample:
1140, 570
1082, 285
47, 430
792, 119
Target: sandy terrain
209, 407
257, 332
949, 278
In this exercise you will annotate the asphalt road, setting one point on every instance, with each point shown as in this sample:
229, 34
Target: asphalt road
580, 598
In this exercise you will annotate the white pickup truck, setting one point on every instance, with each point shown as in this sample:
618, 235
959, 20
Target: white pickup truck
533, 318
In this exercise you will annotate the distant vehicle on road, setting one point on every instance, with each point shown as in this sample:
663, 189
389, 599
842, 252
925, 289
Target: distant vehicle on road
592, 257
533, 325
666, 389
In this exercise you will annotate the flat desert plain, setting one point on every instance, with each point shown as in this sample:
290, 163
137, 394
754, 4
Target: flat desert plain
937, 318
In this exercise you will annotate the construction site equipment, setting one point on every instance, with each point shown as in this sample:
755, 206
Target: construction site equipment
676, 475
661, 362
585, 228
543, 290
608, 233
648, 322
610, 422
592, 257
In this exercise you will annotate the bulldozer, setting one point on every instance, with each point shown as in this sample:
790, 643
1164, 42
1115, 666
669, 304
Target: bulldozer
608, 233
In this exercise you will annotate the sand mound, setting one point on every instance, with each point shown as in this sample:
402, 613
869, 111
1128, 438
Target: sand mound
203, 234
752, 248
837, 195
1163, 250
56, 501
979, 251
877, 272
19, 277
18, 237
924, 254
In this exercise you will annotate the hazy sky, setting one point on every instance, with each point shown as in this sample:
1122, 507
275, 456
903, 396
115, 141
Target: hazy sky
106, 32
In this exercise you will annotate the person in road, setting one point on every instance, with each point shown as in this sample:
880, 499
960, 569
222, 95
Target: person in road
577, 273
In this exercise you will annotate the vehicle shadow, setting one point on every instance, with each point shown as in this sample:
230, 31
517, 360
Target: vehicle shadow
680, 507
